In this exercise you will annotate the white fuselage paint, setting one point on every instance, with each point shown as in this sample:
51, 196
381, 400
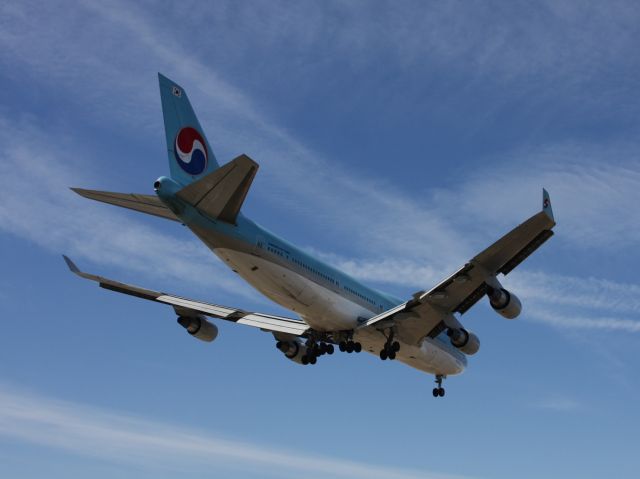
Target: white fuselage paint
327, 310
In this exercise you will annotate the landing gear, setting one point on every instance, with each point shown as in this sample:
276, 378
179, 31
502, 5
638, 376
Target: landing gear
350, 346
438, 391
390, 348
315, 350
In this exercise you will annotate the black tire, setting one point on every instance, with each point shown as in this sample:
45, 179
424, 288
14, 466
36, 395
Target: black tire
350, 347
312, 360
383, 354
396, 346
342, 346
435, 392
357, 347
330, 349
305, 360
279, 344
392, 355
441, 392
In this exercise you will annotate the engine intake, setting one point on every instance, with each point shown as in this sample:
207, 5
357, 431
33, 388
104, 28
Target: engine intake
199, 327
465, 341
293, 350
505, 303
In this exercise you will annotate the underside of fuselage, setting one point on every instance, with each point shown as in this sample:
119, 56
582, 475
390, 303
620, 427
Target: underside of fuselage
322, 308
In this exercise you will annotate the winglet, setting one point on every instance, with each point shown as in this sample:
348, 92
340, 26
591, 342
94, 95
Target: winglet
72, 266
546, 204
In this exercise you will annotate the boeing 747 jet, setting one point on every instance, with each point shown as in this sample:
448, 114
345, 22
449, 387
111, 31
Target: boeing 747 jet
333, 309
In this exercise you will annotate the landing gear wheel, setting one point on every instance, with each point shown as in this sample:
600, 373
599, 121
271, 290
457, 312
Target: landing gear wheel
313, 361
357, 347
395, 346
392, 355
305, 360
330, 349
383, 354
439, 391
349, 346
342, 346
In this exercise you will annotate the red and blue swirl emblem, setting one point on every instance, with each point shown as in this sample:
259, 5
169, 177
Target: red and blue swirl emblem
191, 151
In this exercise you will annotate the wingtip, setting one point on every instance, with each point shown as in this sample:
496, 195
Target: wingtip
72, 266
546, 204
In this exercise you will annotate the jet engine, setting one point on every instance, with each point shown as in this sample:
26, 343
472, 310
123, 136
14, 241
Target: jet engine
199, 327
465, 341
504, 303
293, 350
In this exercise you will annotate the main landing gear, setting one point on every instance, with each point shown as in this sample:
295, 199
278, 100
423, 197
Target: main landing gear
349, 346
315, 350
439, 391
390, 348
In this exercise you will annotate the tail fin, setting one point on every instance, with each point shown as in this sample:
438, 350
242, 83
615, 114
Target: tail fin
190, 154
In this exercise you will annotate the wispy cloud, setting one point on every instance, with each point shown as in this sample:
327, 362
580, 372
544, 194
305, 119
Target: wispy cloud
395, 238
594, 322
122, 438
559, 403
38, 205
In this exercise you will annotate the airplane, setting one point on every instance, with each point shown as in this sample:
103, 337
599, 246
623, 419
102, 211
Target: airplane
333, 308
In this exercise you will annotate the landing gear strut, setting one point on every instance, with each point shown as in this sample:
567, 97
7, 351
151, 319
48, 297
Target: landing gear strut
439, 391
390, 348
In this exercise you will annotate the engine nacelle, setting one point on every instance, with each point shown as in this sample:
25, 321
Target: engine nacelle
293, 350
199, 327
465, 341
505, 303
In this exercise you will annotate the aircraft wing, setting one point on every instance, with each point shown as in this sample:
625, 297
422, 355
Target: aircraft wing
430, 312
185, 307
149, 204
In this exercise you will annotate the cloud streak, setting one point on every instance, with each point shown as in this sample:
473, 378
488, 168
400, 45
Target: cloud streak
123, 438
38, 205
396, 238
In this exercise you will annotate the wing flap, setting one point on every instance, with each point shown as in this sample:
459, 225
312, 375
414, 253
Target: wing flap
266, 322
148, 204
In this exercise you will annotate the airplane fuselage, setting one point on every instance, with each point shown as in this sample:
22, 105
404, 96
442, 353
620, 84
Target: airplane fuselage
326, 298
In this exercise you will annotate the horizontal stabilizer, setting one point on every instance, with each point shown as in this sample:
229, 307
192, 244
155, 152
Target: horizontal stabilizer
144, 203
220, 194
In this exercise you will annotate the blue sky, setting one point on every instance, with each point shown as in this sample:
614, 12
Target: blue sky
396, 140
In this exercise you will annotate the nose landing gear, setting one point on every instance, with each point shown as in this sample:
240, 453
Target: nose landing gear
439, 391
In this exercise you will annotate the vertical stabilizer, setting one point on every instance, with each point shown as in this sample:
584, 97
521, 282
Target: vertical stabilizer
190, 154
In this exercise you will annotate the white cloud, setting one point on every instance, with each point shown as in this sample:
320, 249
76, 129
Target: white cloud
38, 205
577, 292
392, 237
559, 403
122, 438
592, 188
593, 321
